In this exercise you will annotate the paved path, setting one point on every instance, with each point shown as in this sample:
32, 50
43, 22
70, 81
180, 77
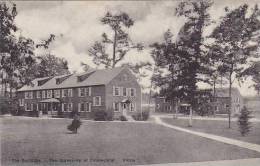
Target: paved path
240, 162
204, 118
226, 140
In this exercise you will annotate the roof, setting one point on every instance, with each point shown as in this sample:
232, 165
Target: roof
97, 77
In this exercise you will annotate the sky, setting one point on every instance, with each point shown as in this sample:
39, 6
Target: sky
77, 26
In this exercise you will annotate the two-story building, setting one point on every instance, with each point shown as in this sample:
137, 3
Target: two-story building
220, 104
110, 90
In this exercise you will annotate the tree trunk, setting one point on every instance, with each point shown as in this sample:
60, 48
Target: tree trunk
230, 100
114, 50
214, 95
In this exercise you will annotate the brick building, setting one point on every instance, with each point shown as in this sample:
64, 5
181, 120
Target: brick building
109, 90
220, 105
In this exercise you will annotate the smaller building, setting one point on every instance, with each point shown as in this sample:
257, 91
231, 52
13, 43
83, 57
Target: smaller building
219, 105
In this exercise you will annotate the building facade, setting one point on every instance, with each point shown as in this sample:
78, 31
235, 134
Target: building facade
220, 104
109, 90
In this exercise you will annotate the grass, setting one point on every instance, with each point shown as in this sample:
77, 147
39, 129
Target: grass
49, 143
219, 128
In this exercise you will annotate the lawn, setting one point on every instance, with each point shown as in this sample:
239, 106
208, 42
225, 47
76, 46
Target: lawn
219, 128
31, 141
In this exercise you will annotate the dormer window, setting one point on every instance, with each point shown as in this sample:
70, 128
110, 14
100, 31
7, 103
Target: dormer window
82, 77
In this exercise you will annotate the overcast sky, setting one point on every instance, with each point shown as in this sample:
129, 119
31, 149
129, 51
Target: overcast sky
76, 25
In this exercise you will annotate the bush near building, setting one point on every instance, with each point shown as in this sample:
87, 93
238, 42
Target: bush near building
243, 121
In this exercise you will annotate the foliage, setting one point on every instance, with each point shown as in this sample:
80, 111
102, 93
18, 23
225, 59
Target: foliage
123, 118
254, 71
141, 116
184, 60
4, 105
120, 42
51, 65
233, 39
243, 121
75, 123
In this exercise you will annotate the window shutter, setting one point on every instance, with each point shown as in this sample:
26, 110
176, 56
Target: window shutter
62, 106
113, 90
71, 106
79, 92
71, 93
89, 91
134, 92
121, 91
94, 102
119, 107
89, 105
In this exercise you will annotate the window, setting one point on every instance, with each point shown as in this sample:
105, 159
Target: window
216, 108
43, 95
97, 101
70, 93
81, 92
38, 94
70, 107
116, 91
64, 107
21, 102
81, 107
158, 106
125, 78
57, 93
28, 107
132, 92
64, 92
88, 91
116, 106
88, 107
49, 93
124, 92
84, 107
28, 95
132, 107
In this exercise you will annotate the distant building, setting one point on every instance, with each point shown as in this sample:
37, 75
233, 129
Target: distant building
110, 90
220, 104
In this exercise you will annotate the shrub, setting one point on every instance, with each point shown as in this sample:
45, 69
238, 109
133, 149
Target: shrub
123, 118
5, 106
243, 121
75, 124
141, 116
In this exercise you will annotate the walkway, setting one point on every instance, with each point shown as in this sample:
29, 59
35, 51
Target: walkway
204, 118
239, 162
242, 144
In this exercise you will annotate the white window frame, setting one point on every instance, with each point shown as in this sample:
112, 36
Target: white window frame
79, 107
88, 89
70, 93
57, 93
44, 94
81, 92
63, 108
99, 101
49, 94
114, 91
26, 107
114, 106
132, 105
70, 107
88, 109
21, 102
123, 91
134, 91
38, 94
63, 93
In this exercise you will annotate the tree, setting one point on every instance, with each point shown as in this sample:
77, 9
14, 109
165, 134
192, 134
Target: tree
243, 121
254, 71
50, 65
232, 40
184, 60
120, 42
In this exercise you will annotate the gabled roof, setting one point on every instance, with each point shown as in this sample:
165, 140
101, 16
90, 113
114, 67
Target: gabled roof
97, 77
